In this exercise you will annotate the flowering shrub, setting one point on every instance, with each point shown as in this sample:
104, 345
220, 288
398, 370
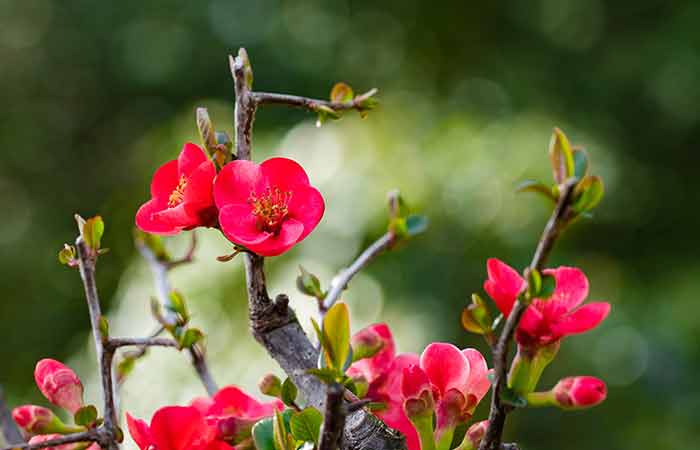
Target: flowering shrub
342, 391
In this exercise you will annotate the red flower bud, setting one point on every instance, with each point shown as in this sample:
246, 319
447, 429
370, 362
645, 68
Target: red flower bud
476, 433
33, 419
59, 384
579, 392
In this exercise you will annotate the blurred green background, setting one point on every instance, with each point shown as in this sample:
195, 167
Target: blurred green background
96, 95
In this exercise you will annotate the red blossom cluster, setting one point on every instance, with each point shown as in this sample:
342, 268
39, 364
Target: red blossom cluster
266, 208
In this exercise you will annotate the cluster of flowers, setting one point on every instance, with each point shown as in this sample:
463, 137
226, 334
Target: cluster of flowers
266, 208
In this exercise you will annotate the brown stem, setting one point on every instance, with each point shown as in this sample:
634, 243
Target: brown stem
9, 428
273, 323
163, 289
312, 104
87, 260
97, 435
333, 418
114, 343
340, 282
499, 410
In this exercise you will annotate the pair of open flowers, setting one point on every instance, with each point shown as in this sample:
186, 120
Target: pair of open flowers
266, 208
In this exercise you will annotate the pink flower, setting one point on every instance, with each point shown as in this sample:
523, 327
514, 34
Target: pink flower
546, 320
267, 208
579, 392
458, 379
175, 428
33, 419
181, 194
384, 372
234, 412
59, 384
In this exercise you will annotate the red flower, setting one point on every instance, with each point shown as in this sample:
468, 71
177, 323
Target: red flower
266, 208
234, 412
383, 372
458, 380
181, 192
579, 392
546, 320
59, 384
175, 428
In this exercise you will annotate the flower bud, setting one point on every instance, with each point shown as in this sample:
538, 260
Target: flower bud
579, 392
475, 434
271, 385
366, 343
59, 384
33, 419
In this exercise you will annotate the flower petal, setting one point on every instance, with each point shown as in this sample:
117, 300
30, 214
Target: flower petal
139, 431
307, 207
284, 173
372, 368
191, 157
233, 401
200, 185
414, 381
176, 427
236, 181
276, 244
177, 217
391, 383
583, 319
165, 179
239, 225
504, 284
571, 286
396, 418
478, 383
446, 367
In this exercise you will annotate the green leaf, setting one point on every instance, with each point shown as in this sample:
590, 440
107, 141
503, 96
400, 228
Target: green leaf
152, 242
92, 232
476, 317
263, 433
309, 284
190, 337
67, 255
327, 352
326, 374
580, 162
104, 327
561, 156
549, 284
279, 432
534, 283
341, 93
125, 367
85, 416
206, 130
538, 188
588, 193
416, 224
289, 392
336, 328
176, 304
306, 424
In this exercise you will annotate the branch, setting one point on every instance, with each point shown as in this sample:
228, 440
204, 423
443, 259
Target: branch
340, 282
9, 428
497, 415
105, 355
163, 289
357, 103
333, 419
96, 435
273, 323
114, 343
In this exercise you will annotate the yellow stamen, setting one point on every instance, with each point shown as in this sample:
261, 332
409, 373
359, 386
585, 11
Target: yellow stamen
178, 194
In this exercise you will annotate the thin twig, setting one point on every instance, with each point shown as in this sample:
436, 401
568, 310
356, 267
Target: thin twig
499, 410
96, 435
312, 104
114, 343
9, 428
333, 418
163, 289
104, 355
341, 280
189, 256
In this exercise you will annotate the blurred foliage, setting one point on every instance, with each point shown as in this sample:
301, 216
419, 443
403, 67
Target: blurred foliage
97, 95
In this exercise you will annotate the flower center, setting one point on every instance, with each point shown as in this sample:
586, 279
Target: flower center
178, 194
270, 208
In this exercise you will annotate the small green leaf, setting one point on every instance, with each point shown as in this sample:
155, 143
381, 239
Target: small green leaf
561, 156
306, 424
263, 433
326, 374
416, 224
341, 93
124, 368
176, 304
67, 255
289, 392
588, 193
538, 188
309, 284
580, 162
92, 232
476, 317
549, 284
190, 337
534, 283
336, 328
85, 416
279, 432
104, 327
206, 130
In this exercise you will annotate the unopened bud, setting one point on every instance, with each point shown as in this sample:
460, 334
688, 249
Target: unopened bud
59, 384
366, 343
33, 419
309, 284
579, 392
271, 385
